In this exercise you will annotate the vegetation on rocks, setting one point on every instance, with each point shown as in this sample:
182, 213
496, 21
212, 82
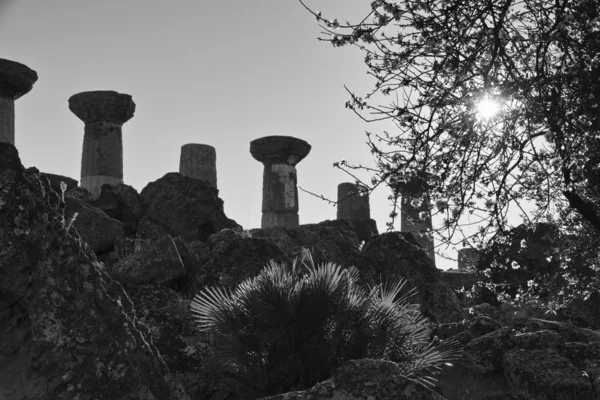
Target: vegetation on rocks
289, 328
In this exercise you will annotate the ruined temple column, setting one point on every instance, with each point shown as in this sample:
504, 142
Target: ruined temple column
104, 113
199, 161
352, 202
15, 80
467, 258
279, 155
416, 190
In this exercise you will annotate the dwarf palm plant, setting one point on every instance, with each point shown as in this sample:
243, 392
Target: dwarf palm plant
289, 328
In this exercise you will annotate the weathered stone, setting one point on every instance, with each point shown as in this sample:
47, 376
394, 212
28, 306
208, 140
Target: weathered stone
279, 155
569, 332
147, 229
181, 205
546, 375
364, 379
459, 279
96, 228
199, 161
353, 202
486, 352
156, 262
78, 336
397, 254
539, 340
234, 261
328, 241
104, 113
113, 204
189, 257
81, 194
172, 329
15, 80
55, 181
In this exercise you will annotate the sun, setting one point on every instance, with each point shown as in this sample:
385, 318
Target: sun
487, 108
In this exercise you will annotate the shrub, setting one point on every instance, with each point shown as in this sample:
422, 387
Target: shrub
291, 327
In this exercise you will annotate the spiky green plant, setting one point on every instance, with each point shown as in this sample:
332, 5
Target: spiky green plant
289, 328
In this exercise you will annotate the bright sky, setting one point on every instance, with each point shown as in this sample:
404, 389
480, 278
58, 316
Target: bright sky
221, 73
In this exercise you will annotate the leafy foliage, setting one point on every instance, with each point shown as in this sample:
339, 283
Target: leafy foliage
291, 327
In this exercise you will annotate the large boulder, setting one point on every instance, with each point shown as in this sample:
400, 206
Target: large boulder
96, 228
148, 229
55, 181
184, 206
232, 262
328, 241
364, 379
72, 331
396, 254
544, 374
486, 353
156, 262
172, 329
122, 203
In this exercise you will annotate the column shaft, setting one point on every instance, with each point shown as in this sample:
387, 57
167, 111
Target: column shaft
410, 221
352, 203
199, 161
280, 196
102, 156
7, 120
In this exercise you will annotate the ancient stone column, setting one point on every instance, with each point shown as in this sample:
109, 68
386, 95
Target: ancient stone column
104, 113
467, 258
352, 202
279, 155
414, 205
199, 161
15, 80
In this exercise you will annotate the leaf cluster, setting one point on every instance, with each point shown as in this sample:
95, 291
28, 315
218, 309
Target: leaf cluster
291, 327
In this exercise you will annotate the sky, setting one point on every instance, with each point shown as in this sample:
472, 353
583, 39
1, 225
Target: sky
221, 73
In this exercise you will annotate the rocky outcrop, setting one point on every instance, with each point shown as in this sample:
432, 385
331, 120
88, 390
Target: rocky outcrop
183, 205
55, 181
96, 228
397, 254
73, 329
329, 241
545, 373
147, 229
156, 262
364, 379
122, 203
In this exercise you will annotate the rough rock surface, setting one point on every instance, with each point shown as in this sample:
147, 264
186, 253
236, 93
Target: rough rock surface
486, 352
156, 262
569, 332
361, 380
147, 229
172, 329
73, 328
328, 241
231, 263
182, 205
55, 181
96, 228
397, 254
81, 194
122, 203
546, 375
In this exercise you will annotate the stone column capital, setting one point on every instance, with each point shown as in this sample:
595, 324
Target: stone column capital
279, 150
16, 79
102, 106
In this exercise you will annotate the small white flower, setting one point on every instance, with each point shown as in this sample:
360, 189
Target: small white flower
423, 215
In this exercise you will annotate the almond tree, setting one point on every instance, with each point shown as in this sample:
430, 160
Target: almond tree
438, 66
